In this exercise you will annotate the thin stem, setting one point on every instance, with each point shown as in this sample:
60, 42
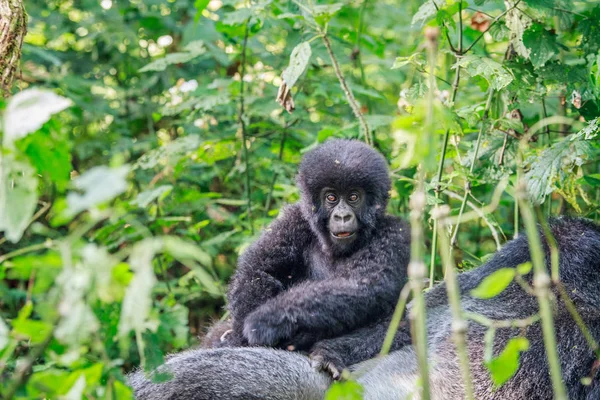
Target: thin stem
272, 186
34, 247
542, 292
416, 274
446, 31
440, 171
348, 92
243, 126
459, 325
396, 318
486, 112
439, 176
490, 26
23, 369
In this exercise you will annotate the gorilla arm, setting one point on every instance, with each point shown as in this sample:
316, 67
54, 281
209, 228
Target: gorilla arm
265, 266
366, 288
338, 353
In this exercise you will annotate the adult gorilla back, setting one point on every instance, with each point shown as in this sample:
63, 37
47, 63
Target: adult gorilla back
261, 373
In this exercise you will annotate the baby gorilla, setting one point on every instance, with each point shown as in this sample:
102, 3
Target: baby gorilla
330, 264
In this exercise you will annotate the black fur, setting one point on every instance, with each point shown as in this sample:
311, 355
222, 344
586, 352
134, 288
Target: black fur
273, 374
296, 284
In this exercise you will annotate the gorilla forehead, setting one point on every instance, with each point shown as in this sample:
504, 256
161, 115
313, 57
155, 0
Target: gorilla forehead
344, 164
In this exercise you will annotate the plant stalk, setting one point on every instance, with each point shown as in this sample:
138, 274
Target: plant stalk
459, 324
486, 112
243, 127
348, 92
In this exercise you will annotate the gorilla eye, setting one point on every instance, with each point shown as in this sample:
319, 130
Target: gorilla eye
332, 198
353, 197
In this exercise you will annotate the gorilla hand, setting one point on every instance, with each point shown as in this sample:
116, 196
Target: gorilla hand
324, 359
268, 327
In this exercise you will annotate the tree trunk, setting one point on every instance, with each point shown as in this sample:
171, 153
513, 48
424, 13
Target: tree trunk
13, 27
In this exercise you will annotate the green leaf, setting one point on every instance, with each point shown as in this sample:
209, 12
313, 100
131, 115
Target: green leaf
495, 73
525, 268
238, 17
494, 284
414, 59
554, 165
122, 391
50, 154
298, 62
170, 153
3, 334
182, 250
18, 196
516, 22
424, 14
590, 131
99, 185
143, 199
175, 58
200, 6
28, 110
324, 13
346, 390
35, 331
541, 44
503, 367
137, 302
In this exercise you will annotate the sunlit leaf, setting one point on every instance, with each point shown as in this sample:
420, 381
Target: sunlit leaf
495, 73
298, 62
174, 58
590, 131
200, 6
3, 334
35, 331
146, 197
525, 268
138, 297
493, 284
18, 196
346, 390
171, 152
98, 185
553, 165
503, 367
28, 110
425, 13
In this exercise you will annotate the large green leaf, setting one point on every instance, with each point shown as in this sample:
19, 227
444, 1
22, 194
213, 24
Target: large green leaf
541, 44
98, 185
28, 110
554, 165
137, 303
18, 195
495, 73
298, 62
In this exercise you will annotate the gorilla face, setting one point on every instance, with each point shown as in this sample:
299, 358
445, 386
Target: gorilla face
343, 208
344, 186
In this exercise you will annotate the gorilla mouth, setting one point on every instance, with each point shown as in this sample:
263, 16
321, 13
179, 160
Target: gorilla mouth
342, 235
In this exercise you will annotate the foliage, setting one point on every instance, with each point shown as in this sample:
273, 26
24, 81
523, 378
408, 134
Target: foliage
126, 193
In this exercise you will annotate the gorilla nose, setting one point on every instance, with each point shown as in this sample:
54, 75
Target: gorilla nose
343, 217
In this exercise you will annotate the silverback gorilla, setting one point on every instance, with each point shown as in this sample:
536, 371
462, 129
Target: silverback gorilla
331, 263
264, 373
